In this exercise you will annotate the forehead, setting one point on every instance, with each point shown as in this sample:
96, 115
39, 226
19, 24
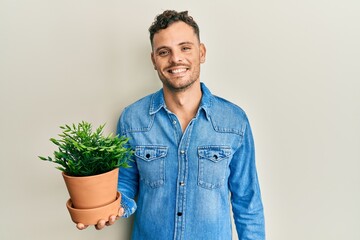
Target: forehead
174, 34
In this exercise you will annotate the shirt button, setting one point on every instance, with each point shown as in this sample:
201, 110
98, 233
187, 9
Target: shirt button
174, 122
179, 214
182, 151
182, 184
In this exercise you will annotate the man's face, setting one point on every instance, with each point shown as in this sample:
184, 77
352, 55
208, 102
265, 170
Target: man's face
177, 55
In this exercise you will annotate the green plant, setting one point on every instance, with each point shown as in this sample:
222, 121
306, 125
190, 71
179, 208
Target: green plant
82, 152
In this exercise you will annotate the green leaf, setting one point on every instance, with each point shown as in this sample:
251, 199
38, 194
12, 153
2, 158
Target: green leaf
82, 152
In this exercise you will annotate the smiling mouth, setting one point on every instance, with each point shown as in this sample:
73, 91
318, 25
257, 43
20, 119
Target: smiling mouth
177, 71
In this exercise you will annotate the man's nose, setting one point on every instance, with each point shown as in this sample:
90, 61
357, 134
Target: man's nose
176, 57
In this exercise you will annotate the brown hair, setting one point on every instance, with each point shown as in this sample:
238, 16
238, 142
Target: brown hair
169, 17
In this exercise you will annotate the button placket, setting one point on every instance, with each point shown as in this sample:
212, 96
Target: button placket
180, 213
182, 183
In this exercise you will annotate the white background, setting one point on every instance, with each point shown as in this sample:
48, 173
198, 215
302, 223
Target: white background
293, 66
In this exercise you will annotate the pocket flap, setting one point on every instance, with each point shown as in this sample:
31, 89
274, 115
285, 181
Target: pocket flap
149, 153
214, 153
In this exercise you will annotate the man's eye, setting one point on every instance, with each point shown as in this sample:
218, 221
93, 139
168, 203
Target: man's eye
186, 48
163, 53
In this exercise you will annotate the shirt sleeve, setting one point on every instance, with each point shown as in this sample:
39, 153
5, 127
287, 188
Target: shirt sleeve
245, 191
128, 180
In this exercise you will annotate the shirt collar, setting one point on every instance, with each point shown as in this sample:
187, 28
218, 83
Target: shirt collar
206, 101
158, 102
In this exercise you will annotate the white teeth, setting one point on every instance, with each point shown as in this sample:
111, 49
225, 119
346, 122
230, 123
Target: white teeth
179, 70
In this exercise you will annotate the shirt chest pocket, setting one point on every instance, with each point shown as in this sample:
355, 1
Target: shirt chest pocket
213, 163
151, 164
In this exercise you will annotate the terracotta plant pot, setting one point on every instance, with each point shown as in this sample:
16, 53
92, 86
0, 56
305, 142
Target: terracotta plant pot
93, 215
92, 191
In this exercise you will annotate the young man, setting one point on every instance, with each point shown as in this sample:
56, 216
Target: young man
192, 149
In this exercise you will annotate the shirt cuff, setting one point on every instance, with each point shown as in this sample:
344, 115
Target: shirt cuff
129, 206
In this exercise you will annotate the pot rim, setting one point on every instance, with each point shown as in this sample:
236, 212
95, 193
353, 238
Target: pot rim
91, 176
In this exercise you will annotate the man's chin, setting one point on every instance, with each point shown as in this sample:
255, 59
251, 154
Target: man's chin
178, 87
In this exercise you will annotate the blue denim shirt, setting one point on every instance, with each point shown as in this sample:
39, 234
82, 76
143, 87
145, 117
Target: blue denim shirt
185, 182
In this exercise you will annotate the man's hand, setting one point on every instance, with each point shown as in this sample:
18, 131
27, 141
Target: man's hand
102, 223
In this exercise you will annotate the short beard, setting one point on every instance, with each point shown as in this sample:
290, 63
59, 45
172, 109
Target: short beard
177, 89
195, 76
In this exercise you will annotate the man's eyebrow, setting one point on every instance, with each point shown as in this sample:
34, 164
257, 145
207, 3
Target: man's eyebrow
183, 43
159, 48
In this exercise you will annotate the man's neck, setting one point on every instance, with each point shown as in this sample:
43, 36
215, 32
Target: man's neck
184, 104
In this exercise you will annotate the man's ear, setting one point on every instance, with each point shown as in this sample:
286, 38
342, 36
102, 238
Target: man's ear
153, 60
202, 53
